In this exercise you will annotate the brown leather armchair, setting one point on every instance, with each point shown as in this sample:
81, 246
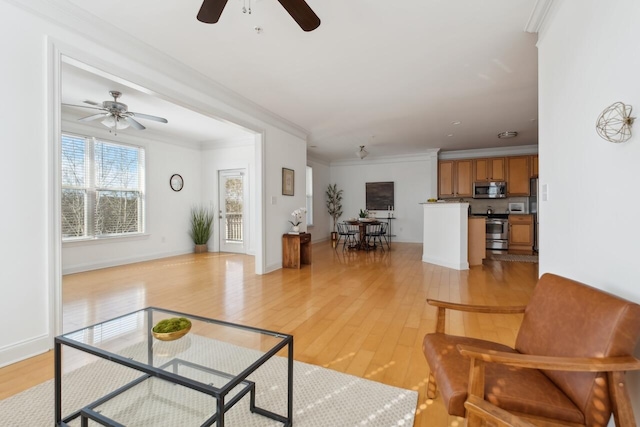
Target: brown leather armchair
567, 367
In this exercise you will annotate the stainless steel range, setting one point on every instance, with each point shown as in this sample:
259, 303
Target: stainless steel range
497, 233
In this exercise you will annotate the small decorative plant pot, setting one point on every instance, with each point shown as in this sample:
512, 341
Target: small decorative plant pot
295, 228
200, 249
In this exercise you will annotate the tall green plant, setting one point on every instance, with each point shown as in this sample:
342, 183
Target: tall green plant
201, 225
334, 203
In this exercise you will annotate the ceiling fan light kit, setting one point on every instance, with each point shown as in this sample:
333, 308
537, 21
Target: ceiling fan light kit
116, 123
299, 10
507, 134
362, 153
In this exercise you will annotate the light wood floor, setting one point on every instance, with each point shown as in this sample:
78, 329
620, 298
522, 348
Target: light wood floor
362, 313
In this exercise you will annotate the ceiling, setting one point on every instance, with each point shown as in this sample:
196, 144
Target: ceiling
184, 127
393, 76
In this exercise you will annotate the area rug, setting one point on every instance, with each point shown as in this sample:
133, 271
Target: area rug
512, 257
321, 397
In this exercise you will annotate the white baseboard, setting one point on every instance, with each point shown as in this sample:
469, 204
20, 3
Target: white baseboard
446, 263
23, 350
79, 268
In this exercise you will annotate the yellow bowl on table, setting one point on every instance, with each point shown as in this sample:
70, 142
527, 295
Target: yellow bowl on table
167, 329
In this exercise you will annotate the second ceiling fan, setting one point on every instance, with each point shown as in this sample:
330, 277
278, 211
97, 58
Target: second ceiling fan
298, 9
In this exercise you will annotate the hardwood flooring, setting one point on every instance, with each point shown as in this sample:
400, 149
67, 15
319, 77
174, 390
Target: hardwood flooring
362, 313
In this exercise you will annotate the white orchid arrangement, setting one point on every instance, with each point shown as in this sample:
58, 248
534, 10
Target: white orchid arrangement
297, 215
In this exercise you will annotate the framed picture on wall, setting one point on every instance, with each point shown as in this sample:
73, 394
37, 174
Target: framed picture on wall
288, 177
379, 196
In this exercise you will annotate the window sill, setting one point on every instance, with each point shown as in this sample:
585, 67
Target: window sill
104, 240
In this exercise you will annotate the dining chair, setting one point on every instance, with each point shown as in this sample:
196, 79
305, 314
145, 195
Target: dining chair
373, 234
347, 234
384, 227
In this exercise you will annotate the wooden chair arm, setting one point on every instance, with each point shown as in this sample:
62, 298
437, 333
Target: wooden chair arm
615, 367
487, 411
488, 309
580, 364
491, 309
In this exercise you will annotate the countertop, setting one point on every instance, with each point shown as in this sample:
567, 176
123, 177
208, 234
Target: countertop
494, 215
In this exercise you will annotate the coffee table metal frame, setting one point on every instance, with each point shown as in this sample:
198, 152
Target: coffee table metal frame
87, 412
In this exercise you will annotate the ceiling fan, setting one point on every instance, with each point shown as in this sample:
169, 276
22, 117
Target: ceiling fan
116, 114
298, 9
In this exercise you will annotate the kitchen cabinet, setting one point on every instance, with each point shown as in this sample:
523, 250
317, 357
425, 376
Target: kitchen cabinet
477, 240
455, 178
521, 234
534, 166
518, 176
489, 169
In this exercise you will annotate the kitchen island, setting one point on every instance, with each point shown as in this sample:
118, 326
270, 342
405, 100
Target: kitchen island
445, 239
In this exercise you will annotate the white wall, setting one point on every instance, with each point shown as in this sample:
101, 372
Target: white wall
283, 150
30, 42
225, 156
26, 264
446, 238
167, 211
589, 224
322, 222
415, 180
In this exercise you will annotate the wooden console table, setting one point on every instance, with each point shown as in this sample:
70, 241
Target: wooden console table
296, 250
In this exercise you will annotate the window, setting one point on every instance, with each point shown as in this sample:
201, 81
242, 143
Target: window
309, 195
102, 188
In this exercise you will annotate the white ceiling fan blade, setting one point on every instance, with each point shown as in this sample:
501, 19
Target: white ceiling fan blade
82, 106
93, 117
98, 104
134, 123
148, 117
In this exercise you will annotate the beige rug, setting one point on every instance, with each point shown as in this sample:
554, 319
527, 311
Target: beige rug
321, 397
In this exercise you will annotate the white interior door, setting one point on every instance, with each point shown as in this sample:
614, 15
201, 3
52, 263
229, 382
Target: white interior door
232, 213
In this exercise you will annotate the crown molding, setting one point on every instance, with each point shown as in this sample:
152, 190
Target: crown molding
489, 152
538, 16
228, 143
428, 155
316, 160
73, 19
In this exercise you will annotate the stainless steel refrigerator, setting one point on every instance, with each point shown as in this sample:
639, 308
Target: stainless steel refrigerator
533, 209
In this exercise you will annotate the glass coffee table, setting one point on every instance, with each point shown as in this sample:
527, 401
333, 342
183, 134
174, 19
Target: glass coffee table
193, 380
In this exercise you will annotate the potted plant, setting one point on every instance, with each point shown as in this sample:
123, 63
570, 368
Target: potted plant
297, 219
334, 207
201, 227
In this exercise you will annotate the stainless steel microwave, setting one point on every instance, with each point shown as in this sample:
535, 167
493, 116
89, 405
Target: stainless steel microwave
490, 190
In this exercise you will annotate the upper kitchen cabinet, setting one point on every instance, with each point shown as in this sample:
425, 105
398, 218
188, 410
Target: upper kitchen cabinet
455, 178
518, 176
489, 169
534, 166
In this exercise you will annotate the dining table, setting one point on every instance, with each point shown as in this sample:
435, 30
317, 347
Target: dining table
362, 227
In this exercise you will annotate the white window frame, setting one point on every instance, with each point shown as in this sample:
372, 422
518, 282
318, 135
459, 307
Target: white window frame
91, 189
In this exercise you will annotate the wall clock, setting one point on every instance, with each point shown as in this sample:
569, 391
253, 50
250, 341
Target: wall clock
176, 182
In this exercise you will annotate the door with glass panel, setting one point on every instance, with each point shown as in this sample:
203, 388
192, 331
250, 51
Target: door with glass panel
232, 208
